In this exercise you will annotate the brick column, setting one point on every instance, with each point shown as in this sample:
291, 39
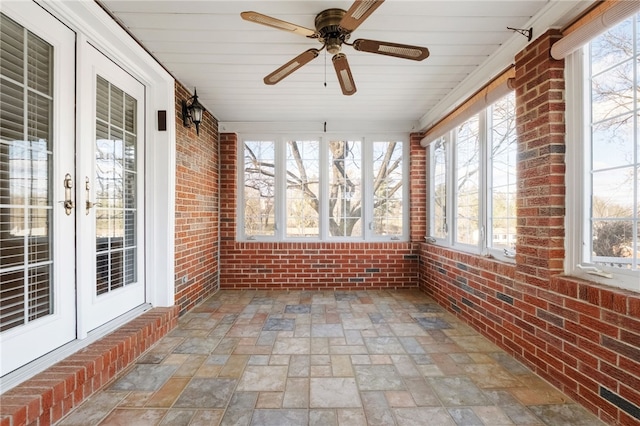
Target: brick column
228, 189
417, 190
541, 147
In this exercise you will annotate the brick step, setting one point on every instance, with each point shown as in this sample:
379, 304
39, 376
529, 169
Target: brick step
50, 395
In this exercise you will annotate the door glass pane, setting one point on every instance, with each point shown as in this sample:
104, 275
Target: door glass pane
25, 176
115, 188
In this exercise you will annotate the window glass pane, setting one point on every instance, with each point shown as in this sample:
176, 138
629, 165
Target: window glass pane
259, 188
387, 188
612, 92
503, 149
303, 185
468, 182
613, 47
439, 189
613, 142
614, 183
345, 198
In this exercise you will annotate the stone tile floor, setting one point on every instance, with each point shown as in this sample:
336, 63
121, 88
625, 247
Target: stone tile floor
326, 358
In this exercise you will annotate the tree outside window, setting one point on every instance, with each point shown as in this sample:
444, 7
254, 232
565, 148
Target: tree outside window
341, 180
614, 183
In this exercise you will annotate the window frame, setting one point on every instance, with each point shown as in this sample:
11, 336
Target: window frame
485, 159
578, 192
280, 140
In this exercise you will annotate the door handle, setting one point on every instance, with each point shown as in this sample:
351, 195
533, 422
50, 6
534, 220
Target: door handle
88, 204
68, 202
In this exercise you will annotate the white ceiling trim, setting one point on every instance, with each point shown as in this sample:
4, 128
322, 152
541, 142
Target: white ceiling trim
332, 126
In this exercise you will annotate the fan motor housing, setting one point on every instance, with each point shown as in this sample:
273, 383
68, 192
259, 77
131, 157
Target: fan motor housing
328, 26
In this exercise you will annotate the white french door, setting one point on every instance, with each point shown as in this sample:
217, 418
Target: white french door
110, 150
37, 214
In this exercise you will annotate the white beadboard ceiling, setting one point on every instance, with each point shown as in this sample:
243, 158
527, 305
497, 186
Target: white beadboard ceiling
205, 44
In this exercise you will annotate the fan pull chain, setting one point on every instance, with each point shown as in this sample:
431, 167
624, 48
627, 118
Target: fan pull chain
325, 71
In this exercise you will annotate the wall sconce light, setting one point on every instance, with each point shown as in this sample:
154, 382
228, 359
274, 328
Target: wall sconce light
192, 112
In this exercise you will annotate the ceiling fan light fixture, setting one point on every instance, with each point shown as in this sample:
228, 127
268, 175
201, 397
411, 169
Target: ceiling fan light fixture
334, 45
333, 28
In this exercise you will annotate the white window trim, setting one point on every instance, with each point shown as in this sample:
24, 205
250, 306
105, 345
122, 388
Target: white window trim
280, 199
430, 238
577, 229
484, 204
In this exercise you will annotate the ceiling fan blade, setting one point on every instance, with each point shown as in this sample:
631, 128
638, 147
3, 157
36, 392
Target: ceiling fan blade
404, 51
357, 13
291, 66
343, 71
259, 18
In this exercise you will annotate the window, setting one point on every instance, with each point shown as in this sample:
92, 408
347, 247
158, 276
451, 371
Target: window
439, 175
259, 188
387, 190
315, 189
604, 159
503, 147
467, 155
345, 188
303, 183
473, 183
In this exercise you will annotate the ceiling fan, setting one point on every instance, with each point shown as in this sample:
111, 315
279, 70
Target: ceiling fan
333, 29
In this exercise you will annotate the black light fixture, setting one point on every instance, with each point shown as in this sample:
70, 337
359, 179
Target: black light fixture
192, 112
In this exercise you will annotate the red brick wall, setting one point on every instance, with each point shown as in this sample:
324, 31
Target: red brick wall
312, 265
197, 208
582, 337
417, 189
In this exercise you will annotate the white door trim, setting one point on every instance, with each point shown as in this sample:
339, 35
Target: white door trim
90, 21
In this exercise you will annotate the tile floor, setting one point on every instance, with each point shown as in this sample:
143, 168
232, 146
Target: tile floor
326, 358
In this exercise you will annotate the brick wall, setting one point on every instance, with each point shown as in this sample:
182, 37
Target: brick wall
309, 265
197, 208
582, 337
